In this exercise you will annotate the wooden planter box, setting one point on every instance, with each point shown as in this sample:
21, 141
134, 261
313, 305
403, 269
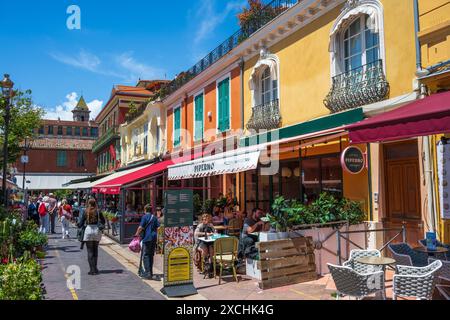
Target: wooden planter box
285, 262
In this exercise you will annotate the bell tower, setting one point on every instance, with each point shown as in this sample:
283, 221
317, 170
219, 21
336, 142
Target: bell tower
81, 111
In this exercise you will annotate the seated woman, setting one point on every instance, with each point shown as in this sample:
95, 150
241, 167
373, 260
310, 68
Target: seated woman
204, 228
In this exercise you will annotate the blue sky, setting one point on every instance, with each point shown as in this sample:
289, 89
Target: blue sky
119, 42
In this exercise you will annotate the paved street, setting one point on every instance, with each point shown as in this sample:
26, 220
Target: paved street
113, 283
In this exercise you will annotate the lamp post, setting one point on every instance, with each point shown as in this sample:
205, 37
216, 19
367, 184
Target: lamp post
7, 94
27, 144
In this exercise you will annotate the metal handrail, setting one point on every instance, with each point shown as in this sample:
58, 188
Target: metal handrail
268, 12
339, 234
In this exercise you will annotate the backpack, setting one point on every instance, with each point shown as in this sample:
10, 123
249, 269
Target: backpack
42, 210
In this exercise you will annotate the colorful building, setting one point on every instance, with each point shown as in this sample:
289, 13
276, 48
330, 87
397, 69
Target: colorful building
61, 152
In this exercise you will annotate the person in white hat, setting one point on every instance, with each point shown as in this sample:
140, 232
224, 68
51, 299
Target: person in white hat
44, 217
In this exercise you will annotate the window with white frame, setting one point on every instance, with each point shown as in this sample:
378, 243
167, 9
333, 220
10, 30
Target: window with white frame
145, 138
269, 87
361, 45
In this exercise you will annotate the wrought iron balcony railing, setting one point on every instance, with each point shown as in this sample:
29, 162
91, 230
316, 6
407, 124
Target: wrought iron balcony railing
269, 12
266, 116
364, 85
110, 134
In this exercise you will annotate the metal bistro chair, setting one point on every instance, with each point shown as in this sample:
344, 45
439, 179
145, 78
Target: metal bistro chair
444, 276
225, 255
351, 283
234, 227
416, 282
446, 255
360, 267
407, 256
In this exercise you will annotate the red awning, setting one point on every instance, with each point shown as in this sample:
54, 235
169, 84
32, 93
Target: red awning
113, 186
423, 117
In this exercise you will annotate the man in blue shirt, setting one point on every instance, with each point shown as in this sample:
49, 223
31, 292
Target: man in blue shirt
149, 228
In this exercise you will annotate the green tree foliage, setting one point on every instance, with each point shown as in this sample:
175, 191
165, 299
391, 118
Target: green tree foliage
25, 117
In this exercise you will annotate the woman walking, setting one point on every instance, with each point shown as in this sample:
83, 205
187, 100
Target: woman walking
65, 214
95, 222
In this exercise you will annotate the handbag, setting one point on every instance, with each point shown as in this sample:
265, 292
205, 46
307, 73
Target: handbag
80, 233
135, 244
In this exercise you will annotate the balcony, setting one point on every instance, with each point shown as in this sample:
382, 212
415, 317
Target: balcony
110, 134
139, 111
266, 116
269, 12
364, 85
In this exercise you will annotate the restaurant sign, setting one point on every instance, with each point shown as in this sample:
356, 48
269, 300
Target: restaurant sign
443, 151
178, 243
353, 160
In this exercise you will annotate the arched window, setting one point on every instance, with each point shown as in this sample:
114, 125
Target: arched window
360, 44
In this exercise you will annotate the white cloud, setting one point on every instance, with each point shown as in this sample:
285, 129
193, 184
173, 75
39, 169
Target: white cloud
210, 20
123, 66
64, 110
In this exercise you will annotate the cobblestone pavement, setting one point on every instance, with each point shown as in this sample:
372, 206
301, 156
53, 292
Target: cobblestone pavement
113, 283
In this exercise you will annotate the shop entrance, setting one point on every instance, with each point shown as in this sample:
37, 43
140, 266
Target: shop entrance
402, 190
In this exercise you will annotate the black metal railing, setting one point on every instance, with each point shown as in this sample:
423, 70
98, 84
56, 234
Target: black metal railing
266, 116
364, 85
269, 12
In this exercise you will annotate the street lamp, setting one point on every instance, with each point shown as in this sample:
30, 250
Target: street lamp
27, 144
7, 94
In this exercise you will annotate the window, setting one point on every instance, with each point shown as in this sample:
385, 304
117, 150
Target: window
50, 130
60, 130
360, 44
80, 159
269, 87
223, 100
94, 132
41, 130
61, 158
145, 138
69, 131
177, 127
157, 146
77, 131
85, 132
198, 117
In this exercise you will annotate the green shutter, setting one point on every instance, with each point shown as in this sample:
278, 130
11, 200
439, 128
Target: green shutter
177, 127
224, 105
198, 134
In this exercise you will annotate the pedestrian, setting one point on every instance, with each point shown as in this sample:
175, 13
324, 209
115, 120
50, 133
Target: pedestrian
94, 221
53, 204
149, 229
33, 213
65, 214
44, 217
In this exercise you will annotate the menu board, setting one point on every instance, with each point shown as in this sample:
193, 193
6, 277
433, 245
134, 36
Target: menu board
443, 155
178, 242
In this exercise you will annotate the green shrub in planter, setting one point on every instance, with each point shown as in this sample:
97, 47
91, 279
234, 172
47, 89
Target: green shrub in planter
351, 211
324, 209
287, 213
21, 280
31, 239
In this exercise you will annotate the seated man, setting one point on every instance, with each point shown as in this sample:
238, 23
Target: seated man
251, 224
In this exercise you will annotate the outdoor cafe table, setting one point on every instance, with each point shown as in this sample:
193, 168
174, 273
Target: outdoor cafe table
210, 241
378, 261
438, 250
220, 228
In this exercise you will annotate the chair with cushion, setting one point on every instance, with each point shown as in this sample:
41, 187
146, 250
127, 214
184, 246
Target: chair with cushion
407, 256
225, 255
360, 267
423, 243
351, 283
416, 282
443, 277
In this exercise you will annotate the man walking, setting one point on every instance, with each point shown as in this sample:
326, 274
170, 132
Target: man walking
53, 204
44, 216
149, 226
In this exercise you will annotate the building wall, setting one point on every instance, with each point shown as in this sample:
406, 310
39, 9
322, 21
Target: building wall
305, 63
210, 106
44, 161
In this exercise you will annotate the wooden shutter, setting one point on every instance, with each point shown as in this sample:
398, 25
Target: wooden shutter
198, 135
224, 105
177, 127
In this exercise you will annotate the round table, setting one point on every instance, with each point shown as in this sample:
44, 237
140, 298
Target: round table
378, 261
431, 252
